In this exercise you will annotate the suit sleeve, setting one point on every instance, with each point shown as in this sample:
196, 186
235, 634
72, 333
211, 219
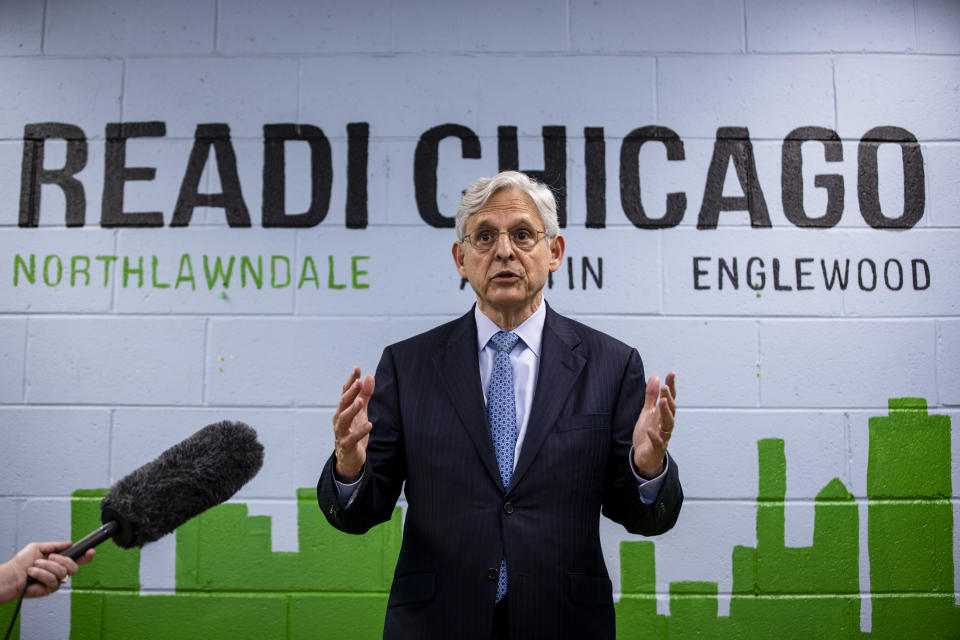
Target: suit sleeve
621, 500
385, 469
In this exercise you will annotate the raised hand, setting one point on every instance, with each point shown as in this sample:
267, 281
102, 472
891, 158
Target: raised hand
651, 434
351, 429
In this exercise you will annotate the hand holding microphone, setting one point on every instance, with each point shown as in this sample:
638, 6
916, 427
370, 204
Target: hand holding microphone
42, 564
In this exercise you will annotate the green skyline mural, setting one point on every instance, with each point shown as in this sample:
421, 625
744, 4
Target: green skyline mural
229, 584
785, 592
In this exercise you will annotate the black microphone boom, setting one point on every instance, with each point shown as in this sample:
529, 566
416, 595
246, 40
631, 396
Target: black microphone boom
204, 470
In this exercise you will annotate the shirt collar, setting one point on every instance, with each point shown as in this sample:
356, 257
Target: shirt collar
531, 331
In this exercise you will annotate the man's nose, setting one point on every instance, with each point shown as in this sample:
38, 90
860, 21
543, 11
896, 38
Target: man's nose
504, 247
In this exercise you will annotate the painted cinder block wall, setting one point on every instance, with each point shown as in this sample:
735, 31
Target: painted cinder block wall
111, 353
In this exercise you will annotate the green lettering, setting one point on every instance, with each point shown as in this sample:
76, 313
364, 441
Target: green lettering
273, 271
330, 282
218, 272
308, 262
185, 262
127, 271
257, 276
106, 260
29, 272
46, 270
356, 273
74, 270
154, 261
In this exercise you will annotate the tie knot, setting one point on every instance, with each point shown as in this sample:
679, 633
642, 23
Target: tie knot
504, 341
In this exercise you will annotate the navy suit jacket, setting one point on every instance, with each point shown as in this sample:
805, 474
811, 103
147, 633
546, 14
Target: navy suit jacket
430, 432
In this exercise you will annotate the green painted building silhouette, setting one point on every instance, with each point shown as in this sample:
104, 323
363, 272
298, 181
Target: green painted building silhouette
782, 592
230, 584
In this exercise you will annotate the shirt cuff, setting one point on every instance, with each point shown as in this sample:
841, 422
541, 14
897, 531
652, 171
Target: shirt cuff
649, 489
346, 492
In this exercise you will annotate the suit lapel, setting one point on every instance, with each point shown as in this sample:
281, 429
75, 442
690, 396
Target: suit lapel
560, 366
458, 366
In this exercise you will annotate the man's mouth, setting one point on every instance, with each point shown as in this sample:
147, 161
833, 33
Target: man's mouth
505, 276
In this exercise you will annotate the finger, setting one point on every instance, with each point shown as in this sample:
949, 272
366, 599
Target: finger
354, 376
87, 557
672, 383
667, 421
653, 390
342, 424
666, 395
355, 435
48, 583
69, 565
658, 440
57, 570
46, 548
366, 388
349, 395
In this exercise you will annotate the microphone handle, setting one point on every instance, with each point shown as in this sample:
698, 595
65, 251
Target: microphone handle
98, 535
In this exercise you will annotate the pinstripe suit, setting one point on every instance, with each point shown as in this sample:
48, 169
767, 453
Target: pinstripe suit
430, 431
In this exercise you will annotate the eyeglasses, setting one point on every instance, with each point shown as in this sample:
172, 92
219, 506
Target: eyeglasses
484, 240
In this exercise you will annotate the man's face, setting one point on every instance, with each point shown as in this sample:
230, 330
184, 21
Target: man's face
508, 281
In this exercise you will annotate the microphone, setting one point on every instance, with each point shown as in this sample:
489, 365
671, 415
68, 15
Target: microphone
200, 472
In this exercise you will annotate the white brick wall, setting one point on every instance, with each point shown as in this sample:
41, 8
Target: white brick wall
120, 373
21, 27
919, 92
13, 332
121, 28
85, 92
689, 26
114, 360
698, 94
822, 25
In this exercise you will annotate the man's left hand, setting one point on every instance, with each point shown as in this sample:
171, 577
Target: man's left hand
655, 425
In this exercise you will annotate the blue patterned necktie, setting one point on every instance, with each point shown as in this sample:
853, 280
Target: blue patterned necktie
502, 414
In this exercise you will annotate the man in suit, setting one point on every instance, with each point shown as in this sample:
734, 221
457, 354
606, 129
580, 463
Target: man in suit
510, 430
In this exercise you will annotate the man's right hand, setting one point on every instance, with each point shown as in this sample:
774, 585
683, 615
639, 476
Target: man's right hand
351, 429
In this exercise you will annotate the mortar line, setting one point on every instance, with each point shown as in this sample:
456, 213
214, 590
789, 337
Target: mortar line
43, 28
759, 365
299, 111
205, 360
216, 24
23, 366
833, 79
656, 90
916, 26
123, 90
936, 362
746, 44
113, 422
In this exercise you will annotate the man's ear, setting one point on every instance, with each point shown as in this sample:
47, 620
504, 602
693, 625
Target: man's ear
557, 246
457, 251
